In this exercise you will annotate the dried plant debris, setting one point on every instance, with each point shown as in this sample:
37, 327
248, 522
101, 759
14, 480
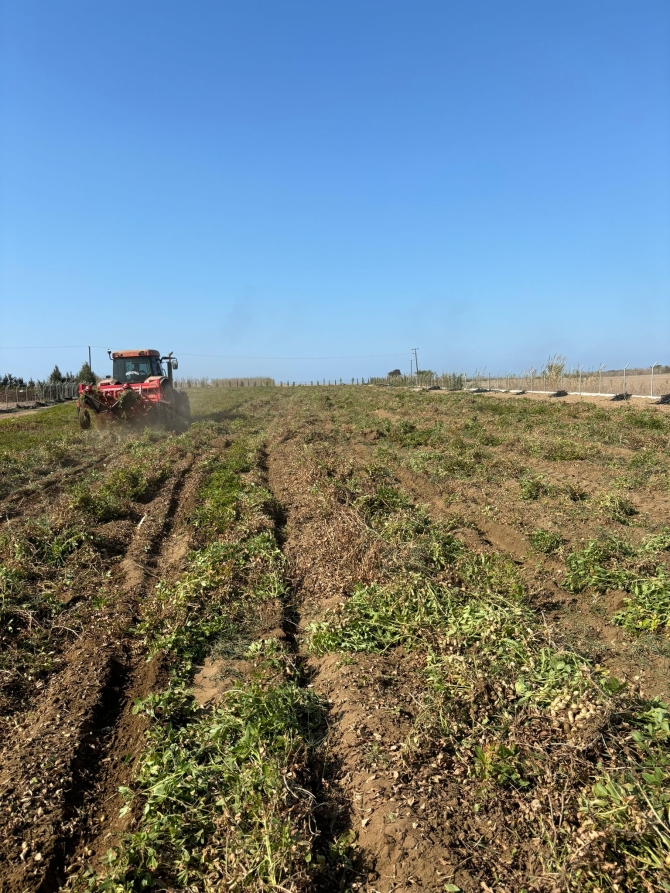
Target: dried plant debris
532, 732
337, 638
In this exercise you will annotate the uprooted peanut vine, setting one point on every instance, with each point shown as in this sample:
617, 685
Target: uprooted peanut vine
581, 763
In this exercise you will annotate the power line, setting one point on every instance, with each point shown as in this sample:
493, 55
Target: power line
50, 347
216, 356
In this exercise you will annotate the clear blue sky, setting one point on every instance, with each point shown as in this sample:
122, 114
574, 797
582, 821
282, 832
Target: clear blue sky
487, 181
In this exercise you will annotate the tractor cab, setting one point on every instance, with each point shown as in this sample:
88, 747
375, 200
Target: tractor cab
139, 366
136, 369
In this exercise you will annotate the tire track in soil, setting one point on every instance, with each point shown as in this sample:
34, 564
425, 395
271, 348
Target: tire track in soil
332, 810
399, 842
67, 759
101, 825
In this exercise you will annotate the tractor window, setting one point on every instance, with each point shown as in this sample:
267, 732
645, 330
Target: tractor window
134, 369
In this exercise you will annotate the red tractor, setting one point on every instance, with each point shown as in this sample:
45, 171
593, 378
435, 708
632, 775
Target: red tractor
139, 390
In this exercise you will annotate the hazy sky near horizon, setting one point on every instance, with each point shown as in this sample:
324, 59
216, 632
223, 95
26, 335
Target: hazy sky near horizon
486, 181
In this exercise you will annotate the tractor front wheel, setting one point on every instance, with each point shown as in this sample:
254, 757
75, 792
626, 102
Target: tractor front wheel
84, 419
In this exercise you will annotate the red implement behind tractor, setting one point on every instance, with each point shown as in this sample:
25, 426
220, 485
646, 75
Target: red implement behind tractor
139, 390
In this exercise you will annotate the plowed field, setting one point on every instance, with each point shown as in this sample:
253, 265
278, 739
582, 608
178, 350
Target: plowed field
337, 639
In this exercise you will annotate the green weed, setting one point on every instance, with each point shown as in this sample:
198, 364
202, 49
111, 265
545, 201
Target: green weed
649, 420
614, 564
37, 442
629, 809
224, 802
657, 543
385, 500
38, 543
441, 465
407, 434
137, 483
645, 460
648, 608
533, 487
502, 764
618, 508
375, 618
563, 450
600, 566
545, 541
219, 498
102, 506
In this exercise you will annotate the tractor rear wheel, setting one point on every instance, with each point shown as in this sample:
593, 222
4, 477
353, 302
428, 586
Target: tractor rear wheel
183, 406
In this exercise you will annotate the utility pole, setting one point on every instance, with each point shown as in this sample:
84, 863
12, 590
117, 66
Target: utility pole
89, 359
416, 363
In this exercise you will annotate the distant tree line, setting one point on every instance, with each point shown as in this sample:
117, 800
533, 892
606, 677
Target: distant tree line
85, 375
422, 378
12, 381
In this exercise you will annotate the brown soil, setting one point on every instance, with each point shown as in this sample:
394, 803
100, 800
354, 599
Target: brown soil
74, 739
68, 756
409, 829
402, 839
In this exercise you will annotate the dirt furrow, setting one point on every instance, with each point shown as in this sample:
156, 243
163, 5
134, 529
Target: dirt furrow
371, 705
83, 722
162, 558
